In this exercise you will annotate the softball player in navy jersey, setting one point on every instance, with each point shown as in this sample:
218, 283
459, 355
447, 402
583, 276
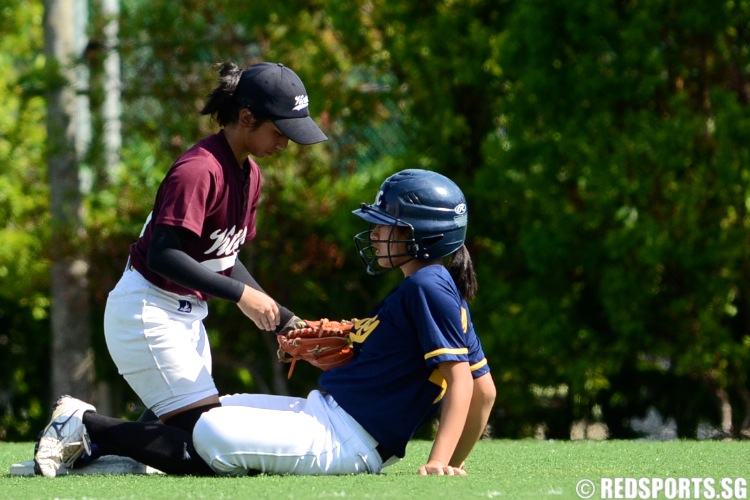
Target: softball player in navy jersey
203, 214
415, 354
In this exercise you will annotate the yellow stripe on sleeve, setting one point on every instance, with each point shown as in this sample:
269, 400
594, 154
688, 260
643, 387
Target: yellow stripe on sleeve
477, 366
438, 352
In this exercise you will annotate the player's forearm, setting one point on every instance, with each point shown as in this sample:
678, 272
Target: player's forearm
482, 399
240, 273
182, 269
453, 414
167, 258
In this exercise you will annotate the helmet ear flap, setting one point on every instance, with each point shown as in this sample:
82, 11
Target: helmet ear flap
427, 243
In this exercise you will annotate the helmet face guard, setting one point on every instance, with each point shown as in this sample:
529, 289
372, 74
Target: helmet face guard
369, 254
429, 204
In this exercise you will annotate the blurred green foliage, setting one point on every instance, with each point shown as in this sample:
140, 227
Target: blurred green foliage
602, 146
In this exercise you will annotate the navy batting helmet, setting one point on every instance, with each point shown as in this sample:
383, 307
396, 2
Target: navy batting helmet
429, 204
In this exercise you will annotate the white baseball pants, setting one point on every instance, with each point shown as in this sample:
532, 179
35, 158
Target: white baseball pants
158, 343
284, 435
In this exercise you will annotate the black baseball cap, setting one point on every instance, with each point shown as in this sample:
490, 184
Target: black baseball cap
273, 90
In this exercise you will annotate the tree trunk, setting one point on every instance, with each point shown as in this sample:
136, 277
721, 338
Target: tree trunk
71, 359
725, 408
112, 107
111, 138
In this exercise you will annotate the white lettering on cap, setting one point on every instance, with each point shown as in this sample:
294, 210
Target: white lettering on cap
301, 102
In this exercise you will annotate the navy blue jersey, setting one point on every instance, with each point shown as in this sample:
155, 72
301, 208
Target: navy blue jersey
393, 384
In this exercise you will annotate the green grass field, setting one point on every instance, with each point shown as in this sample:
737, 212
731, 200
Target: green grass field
506, 469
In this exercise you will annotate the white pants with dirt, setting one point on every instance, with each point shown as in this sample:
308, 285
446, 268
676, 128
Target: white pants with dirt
284, 435
158, 343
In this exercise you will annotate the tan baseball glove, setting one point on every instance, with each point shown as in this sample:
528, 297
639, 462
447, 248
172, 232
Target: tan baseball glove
323, 343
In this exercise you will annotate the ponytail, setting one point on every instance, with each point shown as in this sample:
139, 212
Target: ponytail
221, 104
461, 269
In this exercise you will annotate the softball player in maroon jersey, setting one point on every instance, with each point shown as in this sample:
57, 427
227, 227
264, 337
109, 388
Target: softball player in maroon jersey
187, 252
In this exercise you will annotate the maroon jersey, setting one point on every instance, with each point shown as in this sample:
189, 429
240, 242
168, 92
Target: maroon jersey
206, 192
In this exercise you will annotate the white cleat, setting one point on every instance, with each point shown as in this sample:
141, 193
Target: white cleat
64, 439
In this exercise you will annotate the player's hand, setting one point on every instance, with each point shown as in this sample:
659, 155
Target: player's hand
260, 308
433, 467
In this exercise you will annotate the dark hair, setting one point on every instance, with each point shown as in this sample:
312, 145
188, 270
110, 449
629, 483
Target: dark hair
461, 269
222, 104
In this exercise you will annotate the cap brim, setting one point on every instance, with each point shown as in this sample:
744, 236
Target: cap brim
301, 130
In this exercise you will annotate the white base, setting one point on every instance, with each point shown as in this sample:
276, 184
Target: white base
110, 464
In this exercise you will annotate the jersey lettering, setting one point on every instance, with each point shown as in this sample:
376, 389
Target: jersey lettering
227, 243
148, 219
363, 328
436, 377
